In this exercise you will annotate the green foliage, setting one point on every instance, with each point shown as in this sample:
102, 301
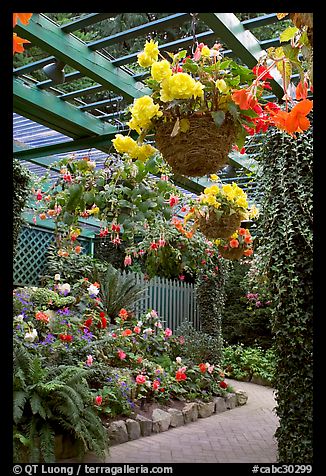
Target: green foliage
286, 249
71, 268
198, 346
118, 291
21, 182
243, 363
242, 321
49, 402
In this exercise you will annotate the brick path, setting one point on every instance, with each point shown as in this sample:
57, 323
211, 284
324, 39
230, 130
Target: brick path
242, 435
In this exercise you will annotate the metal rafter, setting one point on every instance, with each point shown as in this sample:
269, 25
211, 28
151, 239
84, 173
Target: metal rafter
69, 49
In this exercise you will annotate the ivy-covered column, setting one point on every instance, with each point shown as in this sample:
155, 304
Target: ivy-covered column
211, 295
286, 246
21, 179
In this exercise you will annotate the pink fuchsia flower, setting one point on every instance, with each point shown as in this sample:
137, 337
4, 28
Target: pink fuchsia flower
161, 242
122, 355
168, 332
153, 245
116, 241
98, 400
155, 384
89, 360
141, 252
127, 260
181, 277
140, 379
164, 177
174, 200
39, 195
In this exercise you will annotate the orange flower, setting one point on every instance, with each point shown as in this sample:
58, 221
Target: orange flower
247, 239
301, 91
248, 252
297, 121
244, 98
234, 243
23, 17
18, 43
126, 332
242, 231
202, 368
189, 234
97, 285
78, 249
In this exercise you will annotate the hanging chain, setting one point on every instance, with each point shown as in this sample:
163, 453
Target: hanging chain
193, 30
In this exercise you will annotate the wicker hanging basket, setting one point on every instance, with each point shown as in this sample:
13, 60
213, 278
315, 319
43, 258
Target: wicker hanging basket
202, 150
214, 228
231, 253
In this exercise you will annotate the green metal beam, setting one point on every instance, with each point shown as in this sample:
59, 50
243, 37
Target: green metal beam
67, 48
141, 30
45, 108
242, 42
86, 20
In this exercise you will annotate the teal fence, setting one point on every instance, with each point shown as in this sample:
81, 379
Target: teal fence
30, 258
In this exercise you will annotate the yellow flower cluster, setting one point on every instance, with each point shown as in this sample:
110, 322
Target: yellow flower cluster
232, 193
150, 54
127, 145
180, 86
161, 70
142, 112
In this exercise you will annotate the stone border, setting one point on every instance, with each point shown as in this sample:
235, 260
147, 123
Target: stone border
121, 431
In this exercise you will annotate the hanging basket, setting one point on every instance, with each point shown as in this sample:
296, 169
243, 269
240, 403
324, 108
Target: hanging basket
202, 150
214, 228
231, 253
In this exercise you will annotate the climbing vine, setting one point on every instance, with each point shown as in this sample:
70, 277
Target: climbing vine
286, 247
21, 179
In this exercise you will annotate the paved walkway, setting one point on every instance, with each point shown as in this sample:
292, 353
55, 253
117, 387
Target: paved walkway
242, 435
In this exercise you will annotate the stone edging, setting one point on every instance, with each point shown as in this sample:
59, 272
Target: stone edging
121, 431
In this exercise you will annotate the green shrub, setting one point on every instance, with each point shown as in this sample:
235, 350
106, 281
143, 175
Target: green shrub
244, 363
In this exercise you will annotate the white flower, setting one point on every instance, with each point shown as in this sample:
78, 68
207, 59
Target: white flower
178, 360
19, 318
153, 313
158, 324
57, 277
207, 365
93, 290
139, 323
64, 288
148, 331
31, 336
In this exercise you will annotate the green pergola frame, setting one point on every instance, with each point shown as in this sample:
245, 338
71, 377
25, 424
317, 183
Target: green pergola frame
41, 103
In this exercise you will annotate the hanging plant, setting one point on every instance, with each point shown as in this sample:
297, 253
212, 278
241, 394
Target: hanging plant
218, 211
238, 245
203, 105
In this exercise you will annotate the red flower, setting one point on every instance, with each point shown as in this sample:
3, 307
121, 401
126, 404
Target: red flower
123, 313
202, 368
180, 375
65, 337
126, 332
259, 70
155, 384
98, 400
103, 323
88, 322
102, 314
174, 200
153, 246
223, 384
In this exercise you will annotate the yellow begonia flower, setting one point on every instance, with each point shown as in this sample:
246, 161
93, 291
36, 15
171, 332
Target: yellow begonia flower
221, 85
151, 49
242, 202
124, 144
214, 177
235, 235
161, 70
217, 241
93, 211
142, 112
212, 190
229, 191
145, 151
180, 86
209, 200
144, 60
206, 51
